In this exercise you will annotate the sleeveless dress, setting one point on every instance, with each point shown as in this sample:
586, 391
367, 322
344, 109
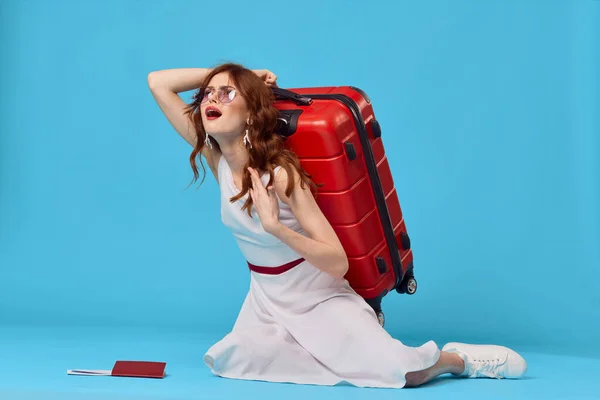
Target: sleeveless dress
303, 326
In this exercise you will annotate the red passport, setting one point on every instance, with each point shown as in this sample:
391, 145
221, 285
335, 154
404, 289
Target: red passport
135, 369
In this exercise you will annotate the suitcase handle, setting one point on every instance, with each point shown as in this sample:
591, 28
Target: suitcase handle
282, 94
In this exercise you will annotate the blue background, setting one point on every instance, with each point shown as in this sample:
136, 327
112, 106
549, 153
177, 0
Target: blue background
490, 118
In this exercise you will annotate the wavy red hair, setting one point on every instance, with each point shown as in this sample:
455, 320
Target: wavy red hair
268, 148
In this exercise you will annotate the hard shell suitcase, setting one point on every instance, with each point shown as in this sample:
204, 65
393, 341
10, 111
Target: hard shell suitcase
334, 132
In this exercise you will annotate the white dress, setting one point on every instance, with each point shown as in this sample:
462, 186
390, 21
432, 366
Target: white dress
303, 326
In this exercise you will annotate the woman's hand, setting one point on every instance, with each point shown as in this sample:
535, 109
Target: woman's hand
267, 76
265, 202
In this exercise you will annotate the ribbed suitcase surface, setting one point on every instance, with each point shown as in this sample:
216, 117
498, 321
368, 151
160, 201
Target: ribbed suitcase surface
334, 132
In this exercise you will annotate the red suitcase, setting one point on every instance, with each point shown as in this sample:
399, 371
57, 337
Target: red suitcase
334, 132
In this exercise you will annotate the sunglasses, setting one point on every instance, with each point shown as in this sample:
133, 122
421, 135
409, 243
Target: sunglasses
225, 94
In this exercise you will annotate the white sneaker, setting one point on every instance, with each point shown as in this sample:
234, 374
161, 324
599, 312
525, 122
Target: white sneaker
488, 360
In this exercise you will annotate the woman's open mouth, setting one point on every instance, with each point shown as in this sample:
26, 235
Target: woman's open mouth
212, 113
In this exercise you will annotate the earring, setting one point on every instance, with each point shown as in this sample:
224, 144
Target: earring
207, 142
247, 139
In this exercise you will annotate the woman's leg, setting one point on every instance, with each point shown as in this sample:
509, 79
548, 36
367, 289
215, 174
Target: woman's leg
447, 363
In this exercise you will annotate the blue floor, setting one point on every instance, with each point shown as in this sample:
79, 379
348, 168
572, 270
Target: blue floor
33, 364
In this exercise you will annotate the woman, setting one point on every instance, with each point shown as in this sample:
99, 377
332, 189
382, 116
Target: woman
300, 322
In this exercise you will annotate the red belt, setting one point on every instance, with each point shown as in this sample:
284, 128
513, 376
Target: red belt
275, 270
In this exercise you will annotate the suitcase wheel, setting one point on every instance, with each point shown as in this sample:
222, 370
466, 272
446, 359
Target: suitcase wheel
411, 286
408, 286
381, 318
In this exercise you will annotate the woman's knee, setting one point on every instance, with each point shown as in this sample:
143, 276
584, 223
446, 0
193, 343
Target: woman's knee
415, 378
